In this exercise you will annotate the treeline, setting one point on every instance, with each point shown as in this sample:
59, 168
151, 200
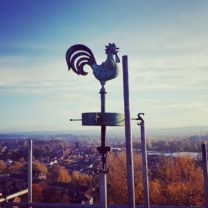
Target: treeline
17, 149
170, 145
173, 181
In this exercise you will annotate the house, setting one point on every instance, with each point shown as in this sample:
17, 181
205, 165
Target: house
82, 198
86, 199
16, 199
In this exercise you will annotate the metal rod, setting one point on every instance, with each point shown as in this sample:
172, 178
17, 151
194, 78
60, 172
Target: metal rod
75, 119
144, 164
102, 97
205, 170
68, 205
12, 196
103, 128
103, 190
103, 133
30, 170
103, 175
129, 151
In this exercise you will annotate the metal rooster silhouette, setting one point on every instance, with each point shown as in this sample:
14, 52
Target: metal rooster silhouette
77, 56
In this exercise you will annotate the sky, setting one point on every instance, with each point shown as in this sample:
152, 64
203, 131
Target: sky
167, 46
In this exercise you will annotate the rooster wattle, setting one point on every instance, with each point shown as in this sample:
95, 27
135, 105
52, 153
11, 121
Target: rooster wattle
80, 55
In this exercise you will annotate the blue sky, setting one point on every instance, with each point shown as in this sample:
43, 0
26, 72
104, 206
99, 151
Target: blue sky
166, 42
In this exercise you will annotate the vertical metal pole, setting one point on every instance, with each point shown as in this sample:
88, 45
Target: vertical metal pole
103, 190
103, 175
144, 165
205, 170
29, 170
103, 128
129, 151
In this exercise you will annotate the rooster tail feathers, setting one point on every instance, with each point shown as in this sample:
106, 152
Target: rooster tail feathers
77, 57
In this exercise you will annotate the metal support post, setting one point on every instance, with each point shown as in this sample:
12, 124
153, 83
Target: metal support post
103, 190
144, 162
205, 170
103, 151
129, 151
30, 170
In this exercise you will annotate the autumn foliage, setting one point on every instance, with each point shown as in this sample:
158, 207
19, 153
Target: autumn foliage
117, 179
173, 181
2, 166
40, 167
178, 181
15, 166
60, 174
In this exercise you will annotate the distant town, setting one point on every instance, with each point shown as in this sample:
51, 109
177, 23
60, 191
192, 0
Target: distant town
68, 165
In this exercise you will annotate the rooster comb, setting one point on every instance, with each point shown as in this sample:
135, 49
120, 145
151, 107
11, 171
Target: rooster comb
111, 48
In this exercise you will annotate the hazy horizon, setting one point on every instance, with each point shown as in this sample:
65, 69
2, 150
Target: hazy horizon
119, 132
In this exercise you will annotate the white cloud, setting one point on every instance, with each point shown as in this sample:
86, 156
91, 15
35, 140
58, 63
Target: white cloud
169, 61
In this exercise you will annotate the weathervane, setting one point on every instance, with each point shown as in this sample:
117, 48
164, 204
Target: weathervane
77, 57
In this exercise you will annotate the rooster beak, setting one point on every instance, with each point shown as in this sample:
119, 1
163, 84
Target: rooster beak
117, 59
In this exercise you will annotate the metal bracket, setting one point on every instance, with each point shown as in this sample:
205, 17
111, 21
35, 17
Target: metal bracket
103, 150
98, 118
98, 171
139, 118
